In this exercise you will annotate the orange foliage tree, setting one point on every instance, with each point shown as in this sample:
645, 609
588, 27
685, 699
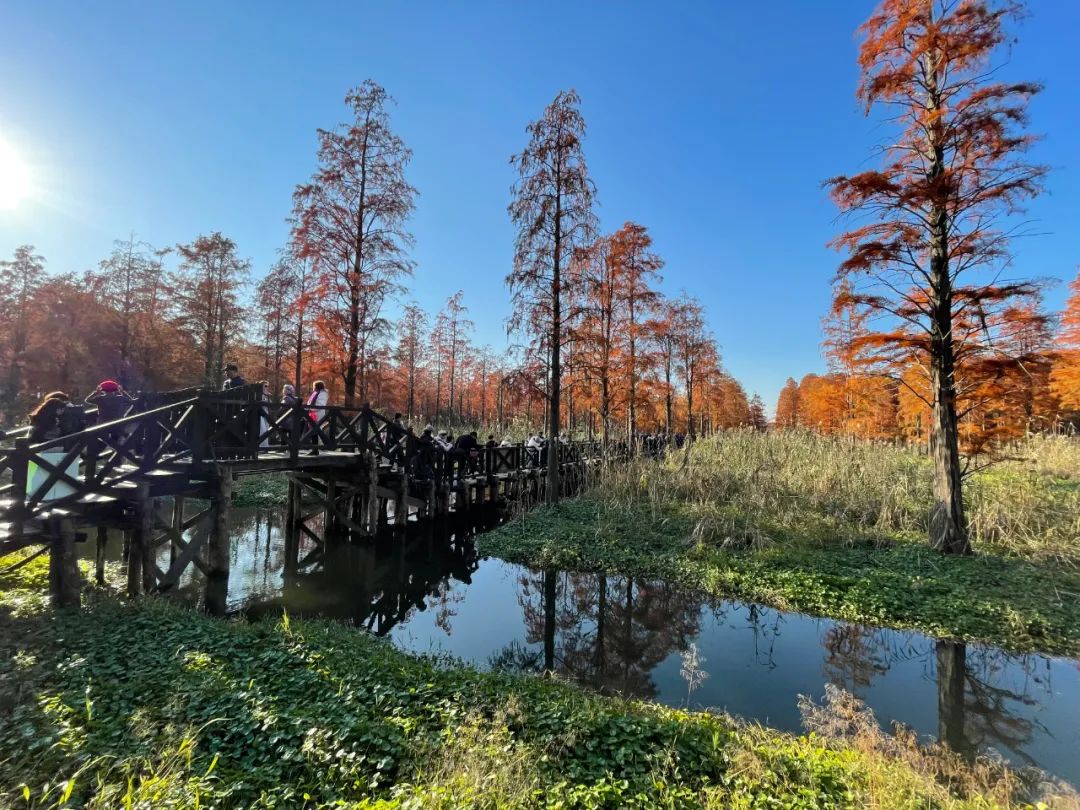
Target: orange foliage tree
787, 405
1065, 377
552, 208
351, 218
934, 209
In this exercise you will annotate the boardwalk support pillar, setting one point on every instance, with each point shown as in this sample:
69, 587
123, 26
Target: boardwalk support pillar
217, 580
293, 504
64, 582
373, 495
219, 530
144, 532
401, 506
99, 555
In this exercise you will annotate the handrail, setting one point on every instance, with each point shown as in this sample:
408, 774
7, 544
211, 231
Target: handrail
220, 426
106, 427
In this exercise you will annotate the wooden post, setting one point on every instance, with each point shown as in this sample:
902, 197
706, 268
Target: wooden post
134, 563
99, 557
373, 495
330, 523
64, 582
20, 465
142, 543
177, 524
293, 514
401, 506
219, 530
200, 432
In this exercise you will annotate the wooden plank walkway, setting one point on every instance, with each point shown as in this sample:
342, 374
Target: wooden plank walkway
138, 474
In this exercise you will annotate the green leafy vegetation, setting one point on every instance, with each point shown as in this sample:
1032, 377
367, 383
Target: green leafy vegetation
267, 490
152, 705
836, 528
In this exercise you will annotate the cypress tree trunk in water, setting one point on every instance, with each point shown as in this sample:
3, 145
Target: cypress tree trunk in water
951, 670
549, 620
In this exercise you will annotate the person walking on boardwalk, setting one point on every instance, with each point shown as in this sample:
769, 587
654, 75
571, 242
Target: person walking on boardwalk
52, 418
423, 458
45, 418
265, 398
111, 400
467, 450
534, 448
316, 404
112, 403
284, 420
233, 378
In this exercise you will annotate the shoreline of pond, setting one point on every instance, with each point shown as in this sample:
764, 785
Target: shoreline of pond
403, 727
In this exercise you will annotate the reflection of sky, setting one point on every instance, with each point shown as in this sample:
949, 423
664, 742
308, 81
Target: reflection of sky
758, 660
486, 620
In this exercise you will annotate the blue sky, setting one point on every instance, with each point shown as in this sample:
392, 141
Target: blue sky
711, 123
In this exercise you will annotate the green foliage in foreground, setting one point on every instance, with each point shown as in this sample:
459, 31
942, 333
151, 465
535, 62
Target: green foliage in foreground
151, 705
1020, 605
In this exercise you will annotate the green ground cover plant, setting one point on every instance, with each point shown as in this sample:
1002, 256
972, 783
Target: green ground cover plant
836, 528
149, 704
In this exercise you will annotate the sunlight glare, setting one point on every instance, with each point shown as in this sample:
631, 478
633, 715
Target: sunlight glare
14, 178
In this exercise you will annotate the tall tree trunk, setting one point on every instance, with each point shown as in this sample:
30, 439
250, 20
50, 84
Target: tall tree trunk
298, 358
668, 395
948, 527
554, 395
689, 402
412, 387
352, 342
632, 412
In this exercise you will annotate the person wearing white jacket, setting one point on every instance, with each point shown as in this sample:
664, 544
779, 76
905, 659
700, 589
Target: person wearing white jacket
316, 404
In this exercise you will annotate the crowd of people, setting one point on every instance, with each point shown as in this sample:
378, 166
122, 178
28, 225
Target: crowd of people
56, 415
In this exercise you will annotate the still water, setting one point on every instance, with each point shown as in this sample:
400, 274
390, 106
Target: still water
428, 592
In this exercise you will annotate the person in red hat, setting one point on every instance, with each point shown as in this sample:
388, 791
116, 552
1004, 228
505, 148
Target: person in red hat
111, 399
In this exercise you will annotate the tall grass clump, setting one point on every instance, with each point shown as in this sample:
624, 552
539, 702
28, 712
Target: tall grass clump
747, 489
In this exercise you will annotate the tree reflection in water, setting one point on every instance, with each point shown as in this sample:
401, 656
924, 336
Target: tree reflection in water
606, 632
976, 710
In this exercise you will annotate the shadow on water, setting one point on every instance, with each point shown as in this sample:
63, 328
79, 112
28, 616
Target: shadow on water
425, 588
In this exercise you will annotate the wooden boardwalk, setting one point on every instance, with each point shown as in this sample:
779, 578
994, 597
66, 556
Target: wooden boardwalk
164, 476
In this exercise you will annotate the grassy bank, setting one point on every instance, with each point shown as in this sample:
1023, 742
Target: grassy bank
835, 528
269, 490
151, 705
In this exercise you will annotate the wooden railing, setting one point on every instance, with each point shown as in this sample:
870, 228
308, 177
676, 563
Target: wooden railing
188, 432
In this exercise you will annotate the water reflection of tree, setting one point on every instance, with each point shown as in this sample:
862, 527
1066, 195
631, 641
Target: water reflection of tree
608, 632
976, 710
978, 705
855, 655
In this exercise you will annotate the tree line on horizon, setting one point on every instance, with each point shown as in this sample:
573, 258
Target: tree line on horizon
1030, 384
163, 318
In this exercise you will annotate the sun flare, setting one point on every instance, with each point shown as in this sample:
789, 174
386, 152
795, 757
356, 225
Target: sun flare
14, 178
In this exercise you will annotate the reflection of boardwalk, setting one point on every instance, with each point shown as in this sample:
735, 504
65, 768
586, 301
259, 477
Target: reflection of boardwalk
350, 469
379, 585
